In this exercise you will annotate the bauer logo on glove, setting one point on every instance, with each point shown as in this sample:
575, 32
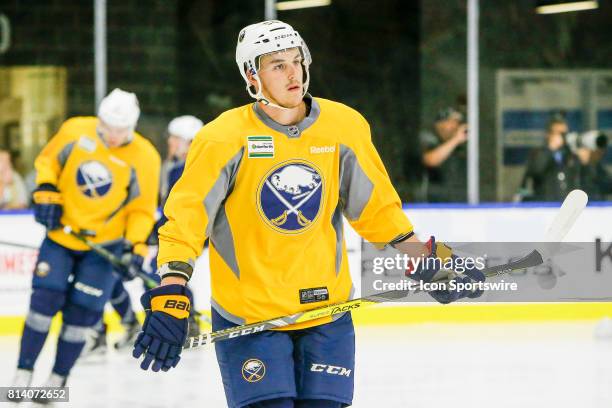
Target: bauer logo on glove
165, 327
177, 306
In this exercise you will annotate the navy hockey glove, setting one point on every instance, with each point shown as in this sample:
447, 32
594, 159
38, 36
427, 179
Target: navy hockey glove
431, 270
48, 206
165, 327
133, 258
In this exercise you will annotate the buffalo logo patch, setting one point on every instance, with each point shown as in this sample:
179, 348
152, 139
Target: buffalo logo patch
289, 197
253, 370
94, 179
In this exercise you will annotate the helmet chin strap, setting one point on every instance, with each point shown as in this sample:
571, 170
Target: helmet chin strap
268, 103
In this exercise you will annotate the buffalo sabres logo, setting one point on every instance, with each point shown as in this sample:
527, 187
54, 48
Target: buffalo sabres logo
43, 269
94, 179
289, 197
253, 370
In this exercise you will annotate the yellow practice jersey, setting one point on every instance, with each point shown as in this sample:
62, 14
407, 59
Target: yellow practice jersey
109, 191
272, 199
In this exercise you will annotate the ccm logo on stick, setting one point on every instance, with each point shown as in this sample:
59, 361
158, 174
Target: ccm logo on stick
330, 369
248, 330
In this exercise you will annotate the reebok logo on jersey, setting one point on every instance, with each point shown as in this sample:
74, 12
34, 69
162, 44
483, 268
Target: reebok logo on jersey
260, 147
322, 149
330, 369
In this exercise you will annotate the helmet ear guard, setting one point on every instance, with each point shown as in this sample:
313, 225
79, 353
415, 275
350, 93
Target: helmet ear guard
251, 89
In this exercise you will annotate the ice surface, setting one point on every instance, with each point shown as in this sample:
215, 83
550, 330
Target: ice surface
433, 365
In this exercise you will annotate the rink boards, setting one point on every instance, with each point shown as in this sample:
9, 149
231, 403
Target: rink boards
459, 223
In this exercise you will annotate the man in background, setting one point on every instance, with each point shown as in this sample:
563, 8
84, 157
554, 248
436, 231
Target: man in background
591, 148
12, 188
553, 170
445, 158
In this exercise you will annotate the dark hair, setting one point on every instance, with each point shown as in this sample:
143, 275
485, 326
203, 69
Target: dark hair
555, 119
447, 113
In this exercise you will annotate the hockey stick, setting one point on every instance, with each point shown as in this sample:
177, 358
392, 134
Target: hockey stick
18, 245
571, 208
115, 261
100, 250
109, 256
533, 259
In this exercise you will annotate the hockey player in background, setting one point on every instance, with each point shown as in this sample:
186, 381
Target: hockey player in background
269, 184
181, 131
96, 175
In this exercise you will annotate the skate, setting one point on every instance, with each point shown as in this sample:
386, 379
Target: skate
54, 381
23, 378
95, 344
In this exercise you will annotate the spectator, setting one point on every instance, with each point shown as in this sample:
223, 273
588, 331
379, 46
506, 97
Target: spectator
553, 170
445, 158
12, 188
595, 179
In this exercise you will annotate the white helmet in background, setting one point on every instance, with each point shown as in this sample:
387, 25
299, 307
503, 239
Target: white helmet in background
185, 127
266, 37
119, 109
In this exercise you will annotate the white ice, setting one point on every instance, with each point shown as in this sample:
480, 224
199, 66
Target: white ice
435, 365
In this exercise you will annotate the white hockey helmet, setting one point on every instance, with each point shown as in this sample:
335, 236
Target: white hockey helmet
266, 37
119, 109
185, 127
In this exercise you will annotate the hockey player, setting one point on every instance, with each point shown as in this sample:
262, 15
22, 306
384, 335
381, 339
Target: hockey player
121, 302
181, 131
269, 183
96, 175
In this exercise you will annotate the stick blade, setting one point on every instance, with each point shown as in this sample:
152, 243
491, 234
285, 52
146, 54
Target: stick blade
570, 210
